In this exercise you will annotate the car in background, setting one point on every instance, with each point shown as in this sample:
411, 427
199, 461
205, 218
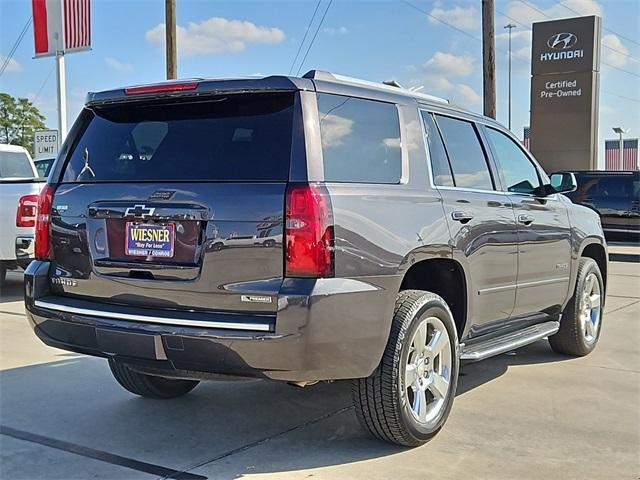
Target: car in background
615, 196
20, 186
44, 166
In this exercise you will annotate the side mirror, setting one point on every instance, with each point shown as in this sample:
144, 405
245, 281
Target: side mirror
562, 182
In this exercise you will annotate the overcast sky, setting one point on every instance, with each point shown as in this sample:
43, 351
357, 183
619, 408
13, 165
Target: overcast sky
372, 40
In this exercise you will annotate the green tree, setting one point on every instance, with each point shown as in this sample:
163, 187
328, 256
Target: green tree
19, 119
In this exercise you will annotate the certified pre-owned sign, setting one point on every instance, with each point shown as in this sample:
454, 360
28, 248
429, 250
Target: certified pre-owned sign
565, 73
561, 45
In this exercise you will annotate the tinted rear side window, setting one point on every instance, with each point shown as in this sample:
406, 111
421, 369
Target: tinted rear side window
467, 158
15, 165
233, 138
360, 140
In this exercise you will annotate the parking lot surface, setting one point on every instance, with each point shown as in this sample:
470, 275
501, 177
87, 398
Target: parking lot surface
526, 414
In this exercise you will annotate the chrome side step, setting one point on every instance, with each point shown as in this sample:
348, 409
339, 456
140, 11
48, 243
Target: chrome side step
505, 343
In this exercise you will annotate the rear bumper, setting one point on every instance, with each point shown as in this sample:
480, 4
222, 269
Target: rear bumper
24, 250
324, 329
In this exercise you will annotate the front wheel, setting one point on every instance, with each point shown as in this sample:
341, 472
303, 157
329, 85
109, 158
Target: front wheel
408, 397
149, 386
581, 321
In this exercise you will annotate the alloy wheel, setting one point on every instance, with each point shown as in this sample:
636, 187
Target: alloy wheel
590, 308
428, 370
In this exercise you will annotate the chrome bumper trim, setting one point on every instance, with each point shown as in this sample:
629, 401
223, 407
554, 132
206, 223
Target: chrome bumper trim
183, 322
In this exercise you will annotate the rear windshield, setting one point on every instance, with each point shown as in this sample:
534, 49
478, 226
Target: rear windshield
233, 138
15, 165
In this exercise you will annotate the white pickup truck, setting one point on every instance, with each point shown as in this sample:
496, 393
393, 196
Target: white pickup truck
19, 190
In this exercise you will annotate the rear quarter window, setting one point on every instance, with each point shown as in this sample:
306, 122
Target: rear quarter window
360, 140
233, 138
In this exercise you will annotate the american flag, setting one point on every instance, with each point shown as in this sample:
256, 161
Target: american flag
629, 154
77, 24
526, 137
61, 26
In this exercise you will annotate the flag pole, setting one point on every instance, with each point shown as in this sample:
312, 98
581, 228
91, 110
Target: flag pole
60, 76
62, 96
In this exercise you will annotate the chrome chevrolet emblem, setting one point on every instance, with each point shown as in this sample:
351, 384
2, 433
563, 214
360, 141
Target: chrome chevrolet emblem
139, 211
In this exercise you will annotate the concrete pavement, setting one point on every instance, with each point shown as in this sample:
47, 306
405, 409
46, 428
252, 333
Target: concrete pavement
526, 414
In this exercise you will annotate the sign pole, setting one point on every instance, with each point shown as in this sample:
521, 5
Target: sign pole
61, 27
62, 97
62, 93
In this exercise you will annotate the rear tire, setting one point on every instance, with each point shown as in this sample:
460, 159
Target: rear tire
407, 399
149, 386
3, 274
581, 322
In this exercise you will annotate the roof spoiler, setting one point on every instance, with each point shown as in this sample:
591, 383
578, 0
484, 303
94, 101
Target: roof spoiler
389, 85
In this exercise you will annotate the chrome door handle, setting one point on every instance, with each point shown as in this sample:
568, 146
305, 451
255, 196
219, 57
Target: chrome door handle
462, 217
526, 219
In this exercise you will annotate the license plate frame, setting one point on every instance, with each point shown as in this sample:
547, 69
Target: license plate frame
142, 247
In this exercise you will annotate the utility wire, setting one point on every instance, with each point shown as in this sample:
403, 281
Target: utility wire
444, 22
621, 69
15, 46
305, 36
620, 96
533, 7
314, 37
524, 25
46, 80
604, 28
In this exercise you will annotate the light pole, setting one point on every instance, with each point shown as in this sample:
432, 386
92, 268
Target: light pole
620, 131
511, 26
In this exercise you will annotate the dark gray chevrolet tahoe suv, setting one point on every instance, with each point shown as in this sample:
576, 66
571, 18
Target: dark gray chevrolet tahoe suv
306, 229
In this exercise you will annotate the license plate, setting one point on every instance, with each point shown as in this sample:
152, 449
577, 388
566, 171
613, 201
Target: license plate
145, 240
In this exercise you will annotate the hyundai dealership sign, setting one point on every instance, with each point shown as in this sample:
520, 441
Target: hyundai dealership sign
565, 69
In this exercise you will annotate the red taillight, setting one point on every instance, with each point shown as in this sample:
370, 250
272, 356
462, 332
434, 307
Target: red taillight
27, 208
43, 223
309, 232
163, 87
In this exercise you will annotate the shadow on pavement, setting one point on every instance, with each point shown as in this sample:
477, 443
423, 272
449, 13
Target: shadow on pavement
76, 400
11, 290
473, 375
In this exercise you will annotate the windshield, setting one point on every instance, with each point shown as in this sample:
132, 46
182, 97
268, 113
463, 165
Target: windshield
15, 165
44, 166
234, 138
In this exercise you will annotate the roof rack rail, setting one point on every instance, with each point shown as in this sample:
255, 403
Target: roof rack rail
388, 85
